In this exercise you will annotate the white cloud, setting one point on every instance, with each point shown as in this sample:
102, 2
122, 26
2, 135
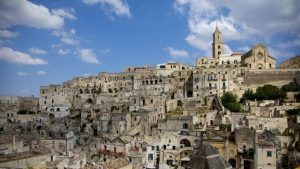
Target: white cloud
10, 55
104, 50
289, 44
203, 17
87, 55
22, 73
23, 12
37, 51
41, 72
63, 51
280, 54
177, 53
69, 41
86, 75
237, 24
8, 34
66, 13
119, 7
73, 31
227, 49
56, 45
270, 16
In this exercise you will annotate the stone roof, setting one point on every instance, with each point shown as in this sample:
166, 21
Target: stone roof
117, 163
207, 157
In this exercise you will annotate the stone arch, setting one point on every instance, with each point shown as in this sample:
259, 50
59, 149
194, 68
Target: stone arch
39, 127
86, 91
88, 101
232, 162
260, 66
94, 90
185, 142
51, 115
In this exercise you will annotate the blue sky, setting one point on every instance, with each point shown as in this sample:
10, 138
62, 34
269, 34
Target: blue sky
48, 42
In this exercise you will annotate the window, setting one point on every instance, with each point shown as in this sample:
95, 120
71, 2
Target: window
152, 147
157, 148
150, 157
269, 153
185, 126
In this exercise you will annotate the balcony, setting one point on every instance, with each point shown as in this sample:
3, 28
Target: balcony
212, 79
134, 149
211, 88
113, 153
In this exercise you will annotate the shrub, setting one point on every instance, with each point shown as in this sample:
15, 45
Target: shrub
267, 92
291, 87
229, 101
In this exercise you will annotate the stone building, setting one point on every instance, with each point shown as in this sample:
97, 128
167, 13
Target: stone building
217, 45
244, 138
258, 58
292, 63
152, 116
60, 141
265, 156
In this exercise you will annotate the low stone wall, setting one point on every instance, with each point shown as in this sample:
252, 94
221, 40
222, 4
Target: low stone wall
37, 162
257, 77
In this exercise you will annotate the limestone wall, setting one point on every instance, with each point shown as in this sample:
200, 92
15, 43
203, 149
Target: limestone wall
257, 77
37, 162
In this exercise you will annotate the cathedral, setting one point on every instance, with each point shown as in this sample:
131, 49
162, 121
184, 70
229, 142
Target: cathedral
256, 58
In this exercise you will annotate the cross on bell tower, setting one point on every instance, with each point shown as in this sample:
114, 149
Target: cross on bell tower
217, 45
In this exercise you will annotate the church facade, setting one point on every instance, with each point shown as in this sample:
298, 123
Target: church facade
256, 58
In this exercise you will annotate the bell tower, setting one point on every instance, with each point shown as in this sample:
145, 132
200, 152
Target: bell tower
217, 45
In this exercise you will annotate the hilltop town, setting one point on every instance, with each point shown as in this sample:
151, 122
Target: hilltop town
237, 110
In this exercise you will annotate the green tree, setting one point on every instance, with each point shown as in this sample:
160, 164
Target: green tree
248, 95
291, 87
228, 98
269, 92
234, 107
230, 102
293, 111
